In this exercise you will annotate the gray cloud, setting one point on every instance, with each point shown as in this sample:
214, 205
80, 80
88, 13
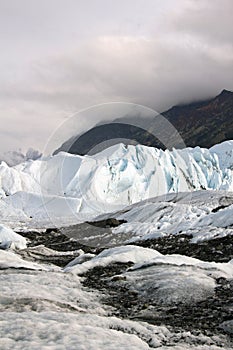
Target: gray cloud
65, 56
210, 21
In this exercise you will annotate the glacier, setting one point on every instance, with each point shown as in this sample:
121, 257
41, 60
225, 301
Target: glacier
78, 188
10, 239
204, 216
45, 300
45, 306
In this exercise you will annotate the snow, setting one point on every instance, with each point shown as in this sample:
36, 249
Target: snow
58, 331
42, 207
47, 307
224, 151
194, 347
44, 307
45, 290
52, 330
164, 279
171, 285
225, 269
10, 239
12, 260
167, 279
181, 213
80, 260
52, 310
223, 218
123, 254
79, 187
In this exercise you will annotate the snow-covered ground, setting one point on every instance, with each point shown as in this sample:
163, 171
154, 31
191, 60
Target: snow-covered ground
203, 215
46, 307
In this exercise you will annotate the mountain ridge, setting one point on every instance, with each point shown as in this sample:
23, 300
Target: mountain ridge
204, 123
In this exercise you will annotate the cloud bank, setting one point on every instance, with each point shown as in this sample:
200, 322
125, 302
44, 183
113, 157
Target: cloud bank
65, 56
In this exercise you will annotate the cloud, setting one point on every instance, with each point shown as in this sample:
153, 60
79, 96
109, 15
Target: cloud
210, 21
186, 56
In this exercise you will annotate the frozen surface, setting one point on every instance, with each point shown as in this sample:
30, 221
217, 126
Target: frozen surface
52, 330
52, 310
10, 239
166, 279
170, 284
203, 214
46, 307
82, 187
119, 254
10, 259
50, 290
173, 279
60, 331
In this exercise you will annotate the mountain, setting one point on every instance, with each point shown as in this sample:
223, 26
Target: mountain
203, 124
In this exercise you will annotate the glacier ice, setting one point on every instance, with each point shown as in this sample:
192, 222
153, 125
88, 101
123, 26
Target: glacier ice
68, 185
10, 239
205, 215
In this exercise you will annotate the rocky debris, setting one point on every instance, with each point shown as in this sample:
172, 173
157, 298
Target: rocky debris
224, 202
110, 222
218, 249
52, 247
55, 239
209, 317
97, 234
45, 255
204, 316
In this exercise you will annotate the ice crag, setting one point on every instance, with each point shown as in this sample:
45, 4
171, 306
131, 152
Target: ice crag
71, 186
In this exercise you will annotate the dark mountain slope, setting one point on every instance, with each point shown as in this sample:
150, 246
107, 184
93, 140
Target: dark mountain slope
204, 124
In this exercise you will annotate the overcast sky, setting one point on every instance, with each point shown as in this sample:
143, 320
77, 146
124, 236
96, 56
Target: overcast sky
60, 56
